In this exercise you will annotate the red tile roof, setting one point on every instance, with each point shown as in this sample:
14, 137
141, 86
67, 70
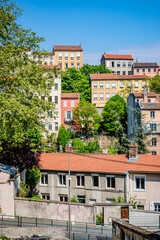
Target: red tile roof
67, 48
113, 76
140, 95
100, 163
117, 56
70, 95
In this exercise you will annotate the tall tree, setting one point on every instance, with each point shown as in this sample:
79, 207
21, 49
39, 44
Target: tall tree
154, 84
88, 69
86, 118
63, 137
22, 83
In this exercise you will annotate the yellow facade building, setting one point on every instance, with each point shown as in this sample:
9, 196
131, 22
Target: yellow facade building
68, 56
106, 85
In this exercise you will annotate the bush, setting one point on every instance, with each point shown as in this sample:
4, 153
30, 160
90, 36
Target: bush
78, 145
63, 137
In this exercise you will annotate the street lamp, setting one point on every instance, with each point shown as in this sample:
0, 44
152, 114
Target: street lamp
69, 191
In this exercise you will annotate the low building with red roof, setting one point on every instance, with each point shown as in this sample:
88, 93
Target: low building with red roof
120, 64
98, 178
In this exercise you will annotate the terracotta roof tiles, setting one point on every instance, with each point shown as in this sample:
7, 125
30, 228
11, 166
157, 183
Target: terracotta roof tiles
141, 95
67, 48
113, 76
70, 95
117, 56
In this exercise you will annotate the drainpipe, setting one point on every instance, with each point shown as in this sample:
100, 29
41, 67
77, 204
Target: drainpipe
125, 186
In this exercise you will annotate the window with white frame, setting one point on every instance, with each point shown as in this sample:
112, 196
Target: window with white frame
44, 179
92, 201
62, 179
113, 64
118, 64
56, 86
157, 207
136, 85
152, 114
68, 115
149, 70
80, 181
50, 126
72, 65
94, 84
45, 196
107, 85
95, 181
118, 72
153, 127
129, 64
78, 55
56, 126
107, 95
140, 182
66, 65
110, 181
143, 70
154, 153
101, 96
72, 103
113, 94
64, 104
129, 84
124, 73
66, 55
143, 84
113, 84
78, 66
154, 141
60, 55
101, 84
81, 199
50, 114
63, 198
121, 84
124, 64
72, 55
154, 70
95, 95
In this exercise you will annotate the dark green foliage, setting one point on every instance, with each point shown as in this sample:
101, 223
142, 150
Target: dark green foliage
63, 137
91, 147
154, 84
49, 144
88, 69
78, 145
32, 179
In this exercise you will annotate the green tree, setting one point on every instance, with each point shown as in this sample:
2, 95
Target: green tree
49, 144
32, 179
78, 145
22, 82
154, 84
86, 118
63, 137
92, 147
114, 113
88, 69
73, 81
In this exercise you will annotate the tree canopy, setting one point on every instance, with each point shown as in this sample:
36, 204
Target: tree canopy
88, 69
154, 84
22, 82
63, 137
86, 118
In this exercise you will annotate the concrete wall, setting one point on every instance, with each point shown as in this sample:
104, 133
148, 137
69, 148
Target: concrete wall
59, 210
144, 218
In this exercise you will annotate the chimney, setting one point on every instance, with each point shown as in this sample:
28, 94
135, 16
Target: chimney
133, 151
68, 148
136, 60
145, 93
105, 150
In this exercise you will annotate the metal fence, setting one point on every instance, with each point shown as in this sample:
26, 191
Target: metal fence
80, 230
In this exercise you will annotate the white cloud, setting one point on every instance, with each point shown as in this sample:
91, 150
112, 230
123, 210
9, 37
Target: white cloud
150, 53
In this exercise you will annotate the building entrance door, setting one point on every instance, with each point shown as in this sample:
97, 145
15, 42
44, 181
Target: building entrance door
124, 212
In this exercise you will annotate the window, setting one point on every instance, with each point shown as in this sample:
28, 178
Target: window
92, 201
143, 84
110, 181
112, 64
43, 97
56, 126
45, 56
143, 70
66, 55
107, 85
149, 100
140, 207
121, 84
101, 84
95, 95
49, 126
78, 55
66, 65
107, 95
118, 72
64, 104
129, 72
68, 116
137, 70
157, 207
72, 55
136, 85
81, 199
56, 86
153, 127
56, 99
154, 141
78, 65
49, 86
149, 70
80, 180
44, 178
118, 64
72, 65
94, 84
154, 70
51, 56
152, 114
62, 179
43, 124
50, 99
129, 64
113, 94
45, 196
63, 198
101, 96
60, 55
113, 85
129, 84
72, 103
50, 114
140, 182
51, 63
154, 153
124, 64
124, 72
95, 182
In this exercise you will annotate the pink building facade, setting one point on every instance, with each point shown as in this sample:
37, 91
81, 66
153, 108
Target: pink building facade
68, 102
149, 69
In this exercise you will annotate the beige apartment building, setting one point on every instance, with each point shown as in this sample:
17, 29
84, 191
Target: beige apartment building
119, 64
106, 85
68, 56
45, 59
147, 68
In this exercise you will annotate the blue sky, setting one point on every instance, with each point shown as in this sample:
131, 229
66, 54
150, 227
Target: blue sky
118, 27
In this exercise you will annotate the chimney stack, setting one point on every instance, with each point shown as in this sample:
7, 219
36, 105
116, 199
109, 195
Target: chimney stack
68, 148
133, 151
145, 93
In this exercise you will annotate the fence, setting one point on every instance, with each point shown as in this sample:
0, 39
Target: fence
80, 230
